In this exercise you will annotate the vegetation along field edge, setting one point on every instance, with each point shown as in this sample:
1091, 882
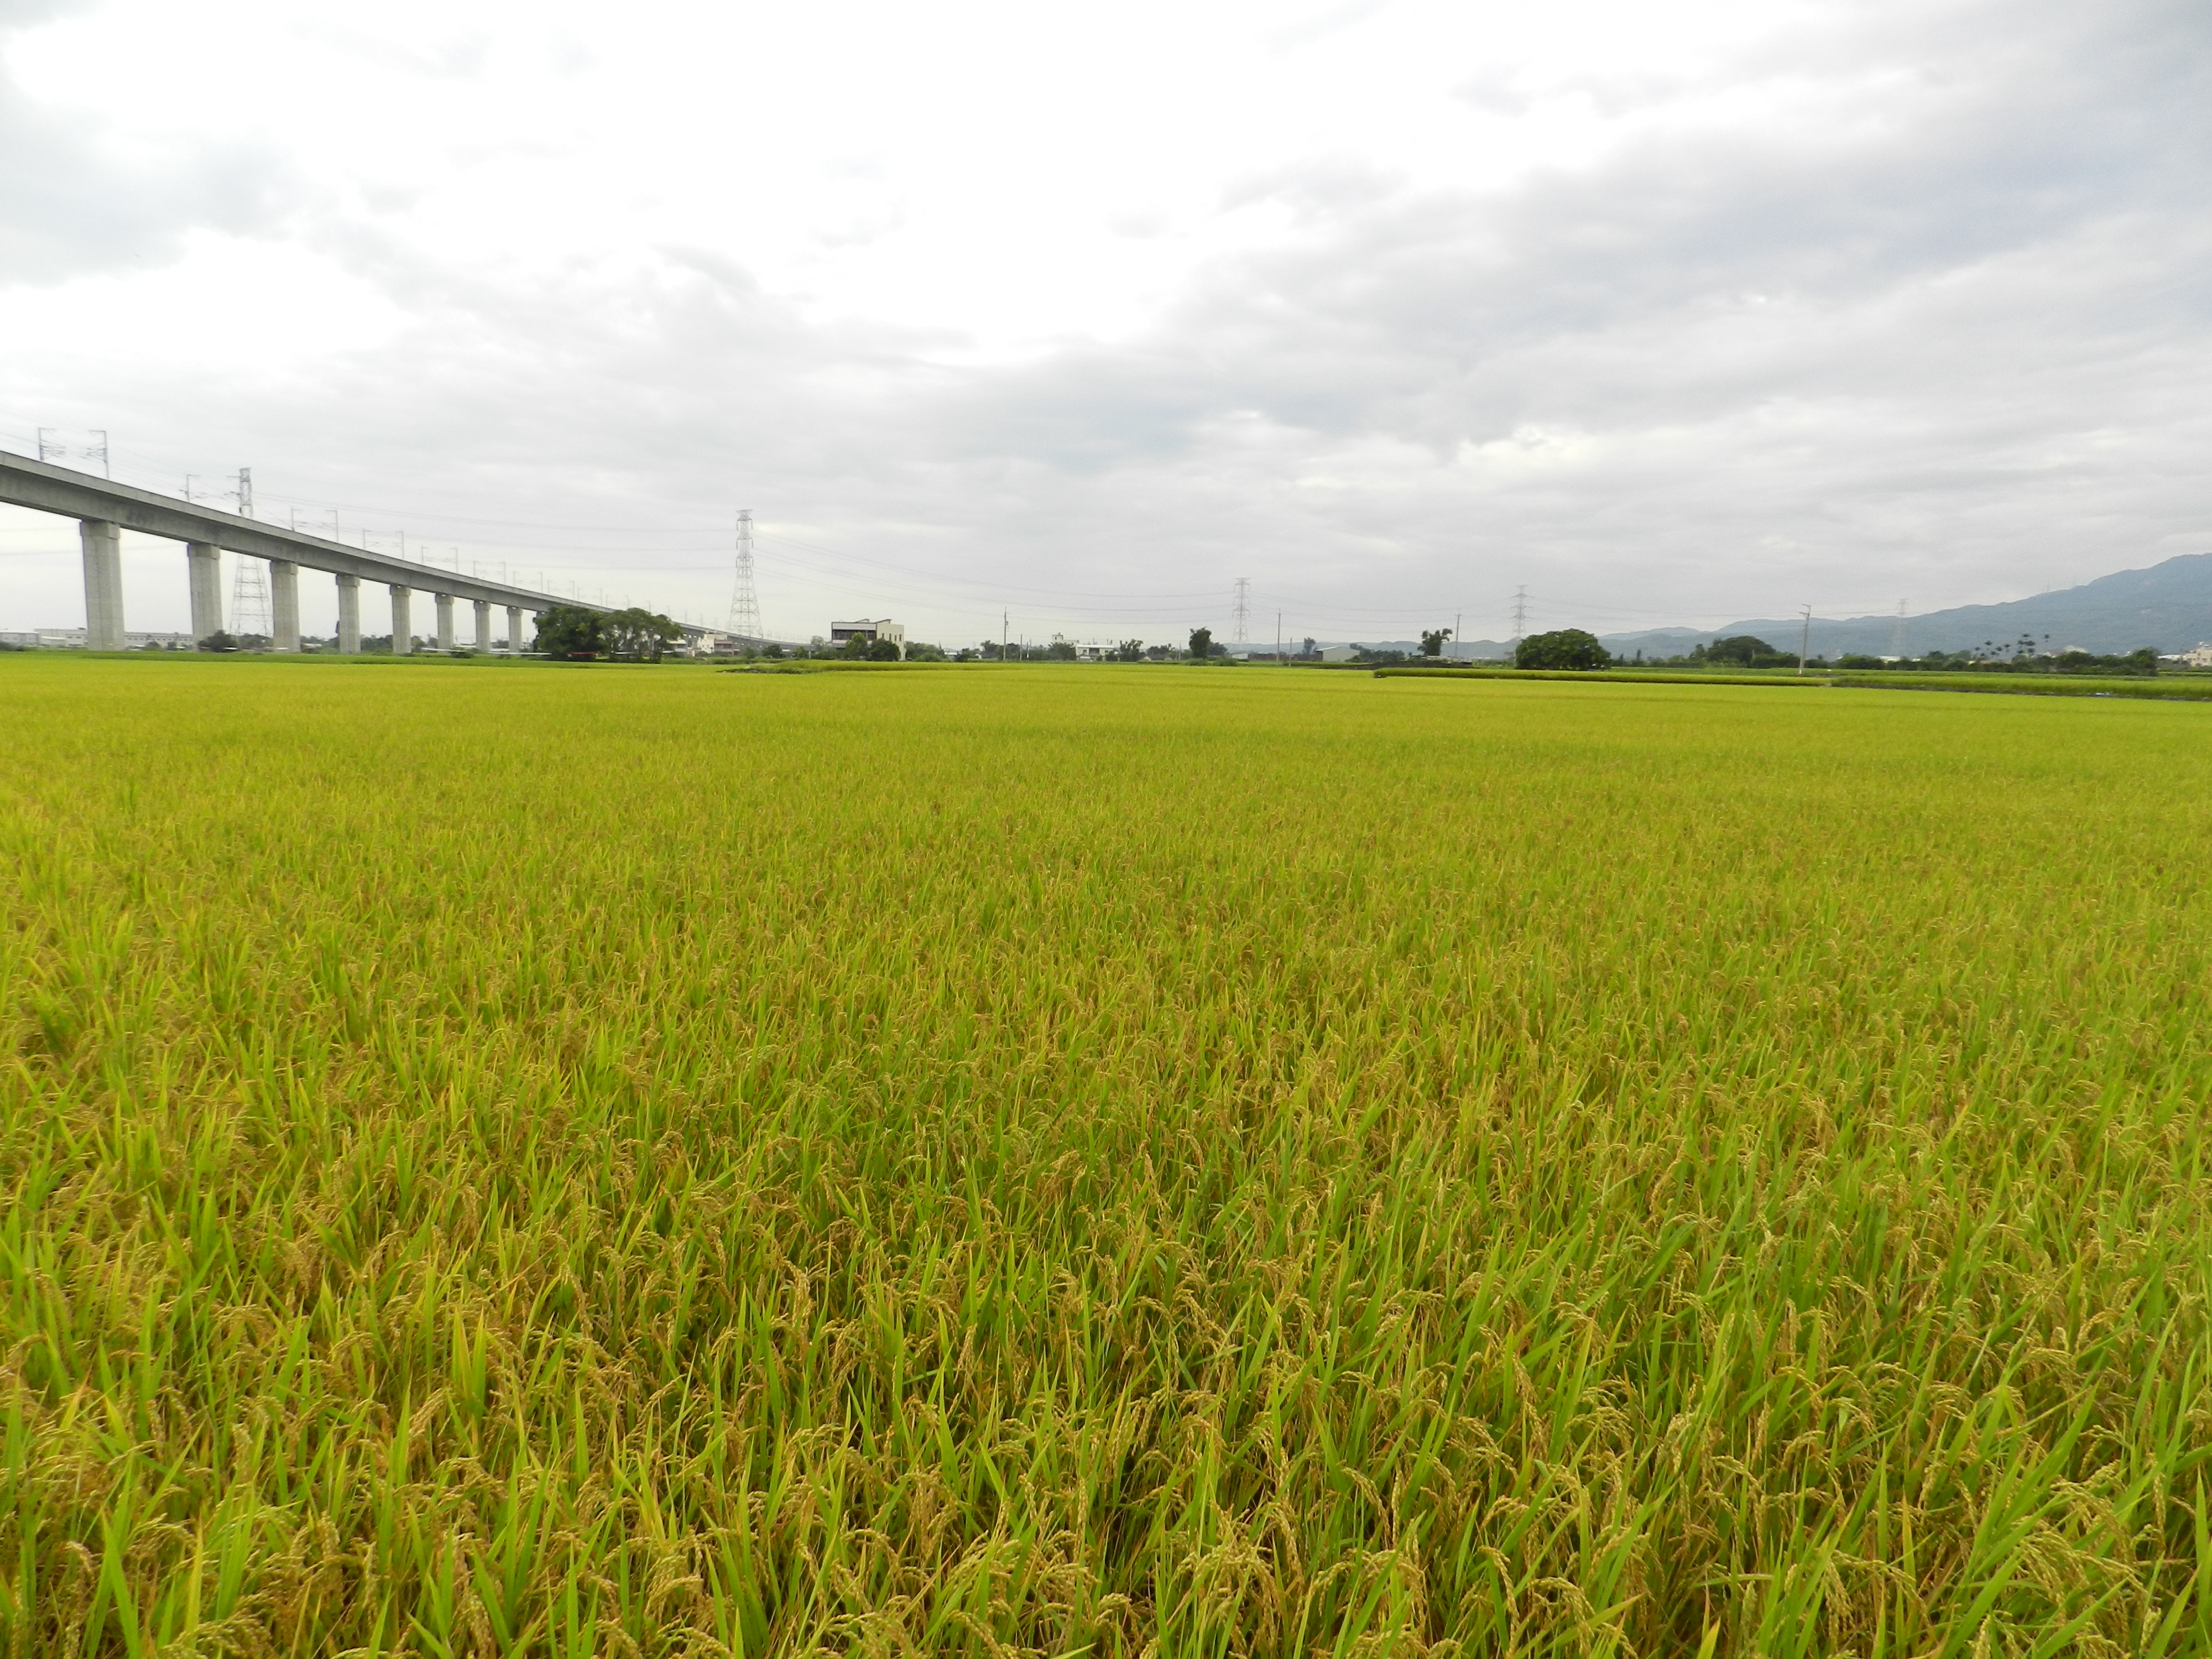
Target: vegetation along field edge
2192, 690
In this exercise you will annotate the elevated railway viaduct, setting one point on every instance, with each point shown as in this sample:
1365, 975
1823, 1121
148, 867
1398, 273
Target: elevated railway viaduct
104, 509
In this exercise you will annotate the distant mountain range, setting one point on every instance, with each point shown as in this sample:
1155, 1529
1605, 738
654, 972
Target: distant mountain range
2167, 607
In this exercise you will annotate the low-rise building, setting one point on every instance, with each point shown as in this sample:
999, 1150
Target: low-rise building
73, 639
882, 627
1339, 653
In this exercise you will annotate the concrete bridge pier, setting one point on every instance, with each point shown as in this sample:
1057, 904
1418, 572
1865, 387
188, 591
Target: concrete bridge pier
103, 510
284, 604
204, 564
103, 584
348, 614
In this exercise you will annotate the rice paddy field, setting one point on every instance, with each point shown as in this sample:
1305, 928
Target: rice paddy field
1131, 1161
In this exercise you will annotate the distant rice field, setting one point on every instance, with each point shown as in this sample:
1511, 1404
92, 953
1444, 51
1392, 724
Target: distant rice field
1135, 1162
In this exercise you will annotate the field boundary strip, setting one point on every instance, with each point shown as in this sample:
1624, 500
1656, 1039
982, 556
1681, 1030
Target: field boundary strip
2001, 685
2168, 690
1600, 676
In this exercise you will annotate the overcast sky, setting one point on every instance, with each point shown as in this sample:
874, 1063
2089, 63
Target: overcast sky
1670, 312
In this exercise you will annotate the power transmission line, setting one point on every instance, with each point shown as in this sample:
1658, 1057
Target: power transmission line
53, 447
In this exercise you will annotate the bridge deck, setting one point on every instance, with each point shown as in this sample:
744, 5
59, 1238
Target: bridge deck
49, 488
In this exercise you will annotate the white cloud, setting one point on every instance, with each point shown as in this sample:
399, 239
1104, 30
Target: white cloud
1669, 312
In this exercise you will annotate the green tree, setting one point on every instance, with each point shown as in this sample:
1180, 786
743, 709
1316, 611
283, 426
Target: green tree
1433, 642
640, 635
1742, 651
882, 651
570, 630
218, 640
1564, 647
1201, 643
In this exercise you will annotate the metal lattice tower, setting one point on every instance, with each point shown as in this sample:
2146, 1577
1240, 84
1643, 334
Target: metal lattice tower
249, 597
744, 602
249, 587
1520, 614
1243, 608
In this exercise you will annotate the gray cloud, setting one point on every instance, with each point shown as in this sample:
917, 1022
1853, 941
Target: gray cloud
71, 202
1897, 345
1956, 347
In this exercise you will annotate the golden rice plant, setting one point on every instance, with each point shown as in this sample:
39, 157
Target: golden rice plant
1130, 1161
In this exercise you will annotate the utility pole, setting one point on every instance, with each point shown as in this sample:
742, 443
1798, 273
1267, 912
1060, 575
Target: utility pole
1459, 623
1805, 641
744, 602
1520, 614
1280, 660
1004, 625
1897, 637
1243, 608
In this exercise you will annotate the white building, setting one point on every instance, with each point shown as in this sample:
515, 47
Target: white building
881, 628
2200, 658
1339, 653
